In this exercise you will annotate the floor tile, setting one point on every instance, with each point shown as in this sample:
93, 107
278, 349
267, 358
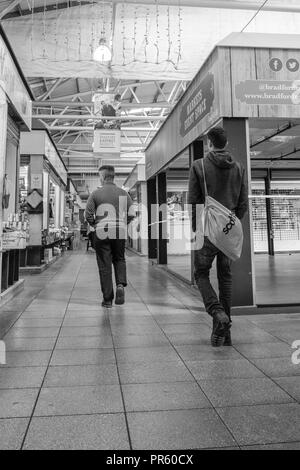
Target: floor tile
145, 372
84, 342
128, 341
68, 376
278, 446
237, 392
72, 357
40, 332
184, 429
263, 424
291, 385
100, 432
147, 354
21, 377
194, 352
12, 432
277, 367
27, 358
164, 396
17, 403
30, 344
239, 368
264, 350
79, 400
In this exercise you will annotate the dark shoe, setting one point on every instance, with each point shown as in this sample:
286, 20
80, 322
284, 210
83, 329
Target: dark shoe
120, 295
107, 303
221, 326
227, 339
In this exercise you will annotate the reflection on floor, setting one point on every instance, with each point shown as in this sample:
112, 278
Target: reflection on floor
143, 375
277, 278
181, 265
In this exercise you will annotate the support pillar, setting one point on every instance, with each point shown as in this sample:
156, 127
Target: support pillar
243, 270
161, 189
3, 134
269, 213
196, 152
152, 226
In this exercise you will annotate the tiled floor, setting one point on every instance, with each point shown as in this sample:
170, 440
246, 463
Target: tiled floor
141, 376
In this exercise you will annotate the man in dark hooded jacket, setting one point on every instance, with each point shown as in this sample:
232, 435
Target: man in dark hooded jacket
226, 182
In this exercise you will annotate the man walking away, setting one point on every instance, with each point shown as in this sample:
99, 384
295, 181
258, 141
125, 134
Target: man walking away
226, 182
109, 209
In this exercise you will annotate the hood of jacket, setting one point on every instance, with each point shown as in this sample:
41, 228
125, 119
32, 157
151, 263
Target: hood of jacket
222, 159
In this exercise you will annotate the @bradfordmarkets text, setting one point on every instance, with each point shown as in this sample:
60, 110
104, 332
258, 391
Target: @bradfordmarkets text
153, 459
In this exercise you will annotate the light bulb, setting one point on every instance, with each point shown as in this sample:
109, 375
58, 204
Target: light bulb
102, 53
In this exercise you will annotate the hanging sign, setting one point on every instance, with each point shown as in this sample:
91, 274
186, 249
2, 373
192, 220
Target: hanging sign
107, 141
107, 104
198, 105
269, 92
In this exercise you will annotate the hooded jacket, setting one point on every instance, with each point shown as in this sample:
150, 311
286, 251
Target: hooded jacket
225, 180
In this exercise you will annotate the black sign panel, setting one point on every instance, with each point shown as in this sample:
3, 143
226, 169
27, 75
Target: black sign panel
198, 105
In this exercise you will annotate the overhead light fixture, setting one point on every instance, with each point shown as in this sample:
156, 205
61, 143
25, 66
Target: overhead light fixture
103, 52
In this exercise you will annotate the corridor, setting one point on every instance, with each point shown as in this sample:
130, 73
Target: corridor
140, 376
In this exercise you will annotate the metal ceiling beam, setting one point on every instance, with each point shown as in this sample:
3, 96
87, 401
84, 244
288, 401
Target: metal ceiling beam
223, 4
97, 117
50, 103
10, 7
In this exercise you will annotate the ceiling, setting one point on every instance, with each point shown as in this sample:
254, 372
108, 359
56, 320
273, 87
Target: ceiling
157, 46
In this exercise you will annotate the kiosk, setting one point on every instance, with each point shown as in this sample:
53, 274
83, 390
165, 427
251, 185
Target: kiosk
250, 85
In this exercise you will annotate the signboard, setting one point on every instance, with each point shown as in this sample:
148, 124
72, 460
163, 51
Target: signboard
107, 104
36, 181
13, 86
198, 105
55, 160
14, 240
107, 141
269, 92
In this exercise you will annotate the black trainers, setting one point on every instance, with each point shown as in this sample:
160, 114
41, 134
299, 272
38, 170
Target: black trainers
107, 303
221, 326
227, 339
120, 295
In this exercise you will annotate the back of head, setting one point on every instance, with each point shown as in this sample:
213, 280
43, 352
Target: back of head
218, 138
107, 173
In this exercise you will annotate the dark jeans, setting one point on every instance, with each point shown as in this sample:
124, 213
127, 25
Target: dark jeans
110, 252
202, 264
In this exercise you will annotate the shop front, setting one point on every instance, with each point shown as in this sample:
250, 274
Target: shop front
15, 114
248, 85
45, 200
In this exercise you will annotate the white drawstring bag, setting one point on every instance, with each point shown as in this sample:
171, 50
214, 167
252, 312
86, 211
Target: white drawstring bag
221, 226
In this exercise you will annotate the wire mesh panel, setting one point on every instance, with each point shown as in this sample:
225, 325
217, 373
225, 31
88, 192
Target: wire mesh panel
259, 217
285, 216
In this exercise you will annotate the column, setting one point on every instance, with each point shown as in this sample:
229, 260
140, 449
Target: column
269, 213
243, 269
152, 222
3, 132
35, 215
196, 151
161, 188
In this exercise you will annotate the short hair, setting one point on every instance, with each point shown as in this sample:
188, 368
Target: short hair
108, 172
218, 137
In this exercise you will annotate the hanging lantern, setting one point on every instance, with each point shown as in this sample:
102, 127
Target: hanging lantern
103, 52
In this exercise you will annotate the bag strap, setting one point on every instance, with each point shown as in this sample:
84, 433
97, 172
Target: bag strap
205, 187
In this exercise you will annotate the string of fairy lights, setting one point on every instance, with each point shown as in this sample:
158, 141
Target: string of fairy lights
148, 34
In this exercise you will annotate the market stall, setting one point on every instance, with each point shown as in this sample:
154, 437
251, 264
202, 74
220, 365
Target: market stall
43, 193
15, 113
